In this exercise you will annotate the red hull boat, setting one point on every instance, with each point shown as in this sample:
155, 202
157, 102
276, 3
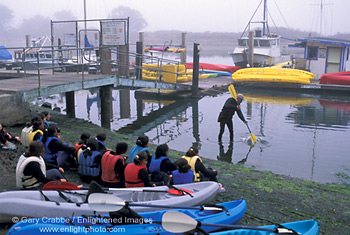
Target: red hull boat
215, 67
339, 78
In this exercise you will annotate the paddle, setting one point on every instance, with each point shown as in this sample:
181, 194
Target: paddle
233, 93
60, 186
107, 202
178, 222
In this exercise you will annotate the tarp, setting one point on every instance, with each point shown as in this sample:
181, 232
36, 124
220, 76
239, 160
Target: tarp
87, 43
5, 54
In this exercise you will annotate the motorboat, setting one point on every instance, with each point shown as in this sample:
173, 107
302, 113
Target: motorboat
266, 49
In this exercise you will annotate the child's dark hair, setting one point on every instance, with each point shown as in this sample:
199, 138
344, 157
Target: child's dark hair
101, 136
84, 137
193, 151
139, 157
91, 145
35, 148
36, 122
161, 150
46, 113
121, 148
142, 141
182, 165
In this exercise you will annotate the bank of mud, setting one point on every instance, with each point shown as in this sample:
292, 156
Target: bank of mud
271, 198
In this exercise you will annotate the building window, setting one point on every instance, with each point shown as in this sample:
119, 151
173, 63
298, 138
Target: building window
312, 52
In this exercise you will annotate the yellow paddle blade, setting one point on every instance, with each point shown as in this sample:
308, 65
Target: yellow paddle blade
253, 138
232, 90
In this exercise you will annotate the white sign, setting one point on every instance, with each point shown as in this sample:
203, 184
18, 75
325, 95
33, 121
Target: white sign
113, 33
70, 39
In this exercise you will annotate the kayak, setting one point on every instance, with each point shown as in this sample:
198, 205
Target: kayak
339, 78
280, 75
216, 67
38, 204
305, 227
147, 222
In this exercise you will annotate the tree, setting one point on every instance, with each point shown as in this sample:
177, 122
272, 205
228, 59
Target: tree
136, 20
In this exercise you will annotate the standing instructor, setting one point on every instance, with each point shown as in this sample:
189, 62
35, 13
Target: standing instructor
228, 110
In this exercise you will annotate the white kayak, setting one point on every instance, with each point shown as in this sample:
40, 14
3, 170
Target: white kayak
21, 204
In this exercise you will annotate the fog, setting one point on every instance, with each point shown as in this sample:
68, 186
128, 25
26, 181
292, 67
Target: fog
21, 17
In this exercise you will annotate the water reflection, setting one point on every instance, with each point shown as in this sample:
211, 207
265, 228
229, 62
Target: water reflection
296, 132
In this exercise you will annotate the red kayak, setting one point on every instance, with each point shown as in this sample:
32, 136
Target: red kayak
216, 67
339, 78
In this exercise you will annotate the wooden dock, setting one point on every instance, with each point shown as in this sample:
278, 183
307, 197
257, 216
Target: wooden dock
47, 84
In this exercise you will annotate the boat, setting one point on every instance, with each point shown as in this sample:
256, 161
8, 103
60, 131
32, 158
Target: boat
305, 227
215, 67
35, 203
266, 49
35, 57
338, 78
234, 210
280, 75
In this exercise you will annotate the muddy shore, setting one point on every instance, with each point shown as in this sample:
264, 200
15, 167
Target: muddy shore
271, 198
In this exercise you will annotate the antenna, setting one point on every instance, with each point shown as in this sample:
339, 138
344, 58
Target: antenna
322, 4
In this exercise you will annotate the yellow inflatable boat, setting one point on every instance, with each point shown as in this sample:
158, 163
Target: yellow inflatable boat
273, 75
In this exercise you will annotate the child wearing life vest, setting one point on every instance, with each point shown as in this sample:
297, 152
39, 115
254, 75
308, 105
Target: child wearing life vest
141, 145
81, 145
161, 166
89, 168
201, 173
113, 166
184, 174
101, 138
31, 170
136, 174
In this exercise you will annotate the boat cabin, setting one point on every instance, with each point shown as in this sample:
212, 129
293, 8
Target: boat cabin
32, 55
324, 55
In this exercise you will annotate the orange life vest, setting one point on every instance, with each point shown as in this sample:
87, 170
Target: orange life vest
132, 176
108, 162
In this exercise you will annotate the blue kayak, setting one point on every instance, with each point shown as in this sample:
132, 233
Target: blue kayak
102, 224
305, 227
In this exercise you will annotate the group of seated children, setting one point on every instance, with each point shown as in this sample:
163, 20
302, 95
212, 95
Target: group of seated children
46, 155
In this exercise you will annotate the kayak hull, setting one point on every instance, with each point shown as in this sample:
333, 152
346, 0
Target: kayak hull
339, 78
280, 75
306, 227
32, 204
98, 225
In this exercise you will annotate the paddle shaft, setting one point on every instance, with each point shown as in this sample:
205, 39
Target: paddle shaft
173, 207
230, 226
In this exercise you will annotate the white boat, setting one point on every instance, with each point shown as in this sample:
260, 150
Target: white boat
266, 48
33, 203
35, 58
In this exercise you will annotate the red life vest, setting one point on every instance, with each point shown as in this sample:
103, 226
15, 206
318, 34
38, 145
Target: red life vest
132, 175
108, 162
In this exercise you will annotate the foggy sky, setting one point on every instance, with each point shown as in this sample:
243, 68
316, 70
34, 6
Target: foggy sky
198, 15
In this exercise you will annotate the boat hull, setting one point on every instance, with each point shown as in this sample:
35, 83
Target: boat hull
306, 227
80, 225
339, 78
273, 75
31, 204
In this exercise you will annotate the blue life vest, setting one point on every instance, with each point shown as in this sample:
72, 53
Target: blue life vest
87, 165
134, 150
182, 178
50, 157
155, 163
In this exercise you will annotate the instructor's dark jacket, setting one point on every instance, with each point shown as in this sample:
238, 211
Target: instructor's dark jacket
229, 109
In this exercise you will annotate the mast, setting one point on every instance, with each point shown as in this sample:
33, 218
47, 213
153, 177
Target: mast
265, 17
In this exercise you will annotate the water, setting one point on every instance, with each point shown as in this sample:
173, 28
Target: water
299, 135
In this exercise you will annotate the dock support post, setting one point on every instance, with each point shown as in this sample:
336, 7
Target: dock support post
251, 49
183, 44
123, 67
106, 67
106, 106
70, 104
124, 97
196, 51
138, 61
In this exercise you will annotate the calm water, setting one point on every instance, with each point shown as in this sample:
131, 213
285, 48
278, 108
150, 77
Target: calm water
299, 135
